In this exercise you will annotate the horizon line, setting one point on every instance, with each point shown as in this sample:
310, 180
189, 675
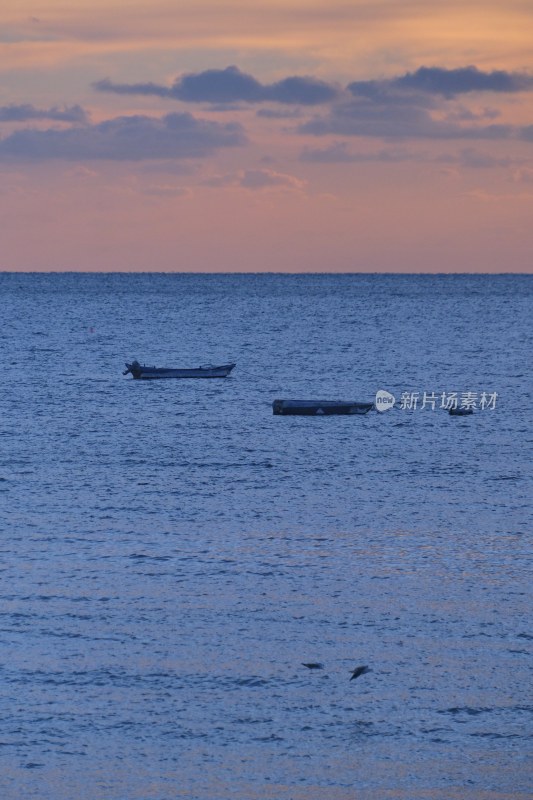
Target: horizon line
244, 274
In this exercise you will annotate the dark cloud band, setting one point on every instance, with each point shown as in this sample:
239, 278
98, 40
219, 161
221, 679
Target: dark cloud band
230, 85
26, 112
452, 82
400, 108
132, 138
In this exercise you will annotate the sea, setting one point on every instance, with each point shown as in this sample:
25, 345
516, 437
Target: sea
172, 554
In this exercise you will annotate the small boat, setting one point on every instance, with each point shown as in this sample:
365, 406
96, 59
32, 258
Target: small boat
318, 408
460, 412
144, 373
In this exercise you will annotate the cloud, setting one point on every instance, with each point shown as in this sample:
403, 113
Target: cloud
275, 113
399, 122
462, 114
419, 104
384, 93
451, 82
134, 138
524, 175
106, 85
26, 112
230, 85
402, 107
264, 178
80, 171
300, 91
376, 119
445, 82
479, 160
256, 179
218, 86
339, 153
485, 196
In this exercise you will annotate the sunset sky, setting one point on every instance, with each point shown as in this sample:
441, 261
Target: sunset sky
298, 136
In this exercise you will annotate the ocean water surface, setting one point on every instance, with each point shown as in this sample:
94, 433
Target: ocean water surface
171, 552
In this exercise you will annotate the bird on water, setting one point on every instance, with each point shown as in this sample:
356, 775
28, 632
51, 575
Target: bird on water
359, 671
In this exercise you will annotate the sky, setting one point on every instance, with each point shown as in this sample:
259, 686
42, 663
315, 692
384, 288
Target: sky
289, 136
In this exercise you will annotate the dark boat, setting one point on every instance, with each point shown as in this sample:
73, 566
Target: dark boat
318, 408
144, 373
460, 412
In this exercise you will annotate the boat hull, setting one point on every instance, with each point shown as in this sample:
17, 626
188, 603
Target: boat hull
144, 373
319, 408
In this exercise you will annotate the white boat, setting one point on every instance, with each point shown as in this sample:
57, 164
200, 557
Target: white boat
144, 373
